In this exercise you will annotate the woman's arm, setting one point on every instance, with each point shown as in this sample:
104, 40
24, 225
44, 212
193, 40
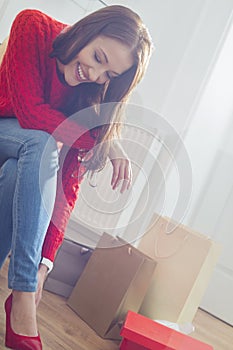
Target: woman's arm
66, 197
122, 171
68, 185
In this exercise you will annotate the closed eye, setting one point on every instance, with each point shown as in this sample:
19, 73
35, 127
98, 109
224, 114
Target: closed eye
97, 58
109, 77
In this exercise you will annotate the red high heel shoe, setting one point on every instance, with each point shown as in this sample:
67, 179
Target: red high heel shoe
16, 341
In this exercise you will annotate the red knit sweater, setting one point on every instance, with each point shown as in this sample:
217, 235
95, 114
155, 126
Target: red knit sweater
31, 91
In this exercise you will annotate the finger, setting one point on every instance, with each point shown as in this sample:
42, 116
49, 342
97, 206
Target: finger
127, 179
117, 176
123, 177
115, 173
126, 182
120, 176
124, 185
130, 177
115, 181
59, 145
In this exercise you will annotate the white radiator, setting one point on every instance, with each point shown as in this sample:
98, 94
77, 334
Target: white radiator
100, 209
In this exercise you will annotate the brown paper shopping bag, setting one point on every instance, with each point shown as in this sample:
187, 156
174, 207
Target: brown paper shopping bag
114, 281
68, 267
185, 261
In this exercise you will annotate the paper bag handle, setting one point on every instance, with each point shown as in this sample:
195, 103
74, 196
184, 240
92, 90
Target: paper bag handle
167, 237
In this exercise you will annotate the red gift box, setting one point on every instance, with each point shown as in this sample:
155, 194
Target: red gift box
142, 333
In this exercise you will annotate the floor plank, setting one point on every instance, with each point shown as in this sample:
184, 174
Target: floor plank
62, 329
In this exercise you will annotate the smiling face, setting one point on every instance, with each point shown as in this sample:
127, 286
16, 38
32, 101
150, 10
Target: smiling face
101, 60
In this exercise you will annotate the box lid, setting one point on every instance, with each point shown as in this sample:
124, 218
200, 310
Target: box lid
148, 333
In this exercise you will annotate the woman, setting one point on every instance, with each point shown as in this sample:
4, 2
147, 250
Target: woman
50, 71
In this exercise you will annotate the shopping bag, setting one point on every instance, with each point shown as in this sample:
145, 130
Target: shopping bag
70, 262
185, 261
142, 333
114, 280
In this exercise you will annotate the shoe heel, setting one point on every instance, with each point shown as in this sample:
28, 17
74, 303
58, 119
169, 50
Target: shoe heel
16, 341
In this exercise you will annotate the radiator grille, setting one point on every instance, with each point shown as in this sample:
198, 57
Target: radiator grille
100, 209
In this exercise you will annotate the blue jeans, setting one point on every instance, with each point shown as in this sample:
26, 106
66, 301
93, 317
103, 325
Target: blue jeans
28, 178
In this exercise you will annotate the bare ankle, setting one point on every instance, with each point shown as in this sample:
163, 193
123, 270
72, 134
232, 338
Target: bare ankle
23, 315
20, 295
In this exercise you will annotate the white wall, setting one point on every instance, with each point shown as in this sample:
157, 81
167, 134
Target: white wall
188, 36
210, 132
68, 11
185, 75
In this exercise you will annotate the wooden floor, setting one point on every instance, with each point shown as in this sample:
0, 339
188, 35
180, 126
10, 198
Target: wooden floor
61, 329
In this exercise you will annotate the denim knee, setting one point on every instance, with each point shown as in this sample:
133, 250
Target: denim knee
9, 169
43, 149
41, 140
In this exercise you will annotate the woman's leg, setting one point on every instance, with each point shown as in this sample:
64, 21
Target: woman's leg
36, 178
8, 173
33, 200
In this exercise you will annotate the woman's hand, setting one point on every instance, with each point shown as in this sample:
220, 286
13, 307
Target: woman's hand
122, 171
59, 145
42, 274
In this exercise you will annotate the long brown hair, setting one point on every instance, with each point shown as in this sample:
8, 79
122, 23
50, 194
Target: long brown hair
120, 23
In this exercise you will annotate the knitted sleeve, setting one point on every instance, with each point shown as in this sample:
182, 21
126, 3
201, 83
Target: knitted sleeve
25, 64
66, 196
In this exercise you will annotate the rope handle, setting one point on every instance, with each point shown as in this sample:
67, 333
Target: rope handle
163, 236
